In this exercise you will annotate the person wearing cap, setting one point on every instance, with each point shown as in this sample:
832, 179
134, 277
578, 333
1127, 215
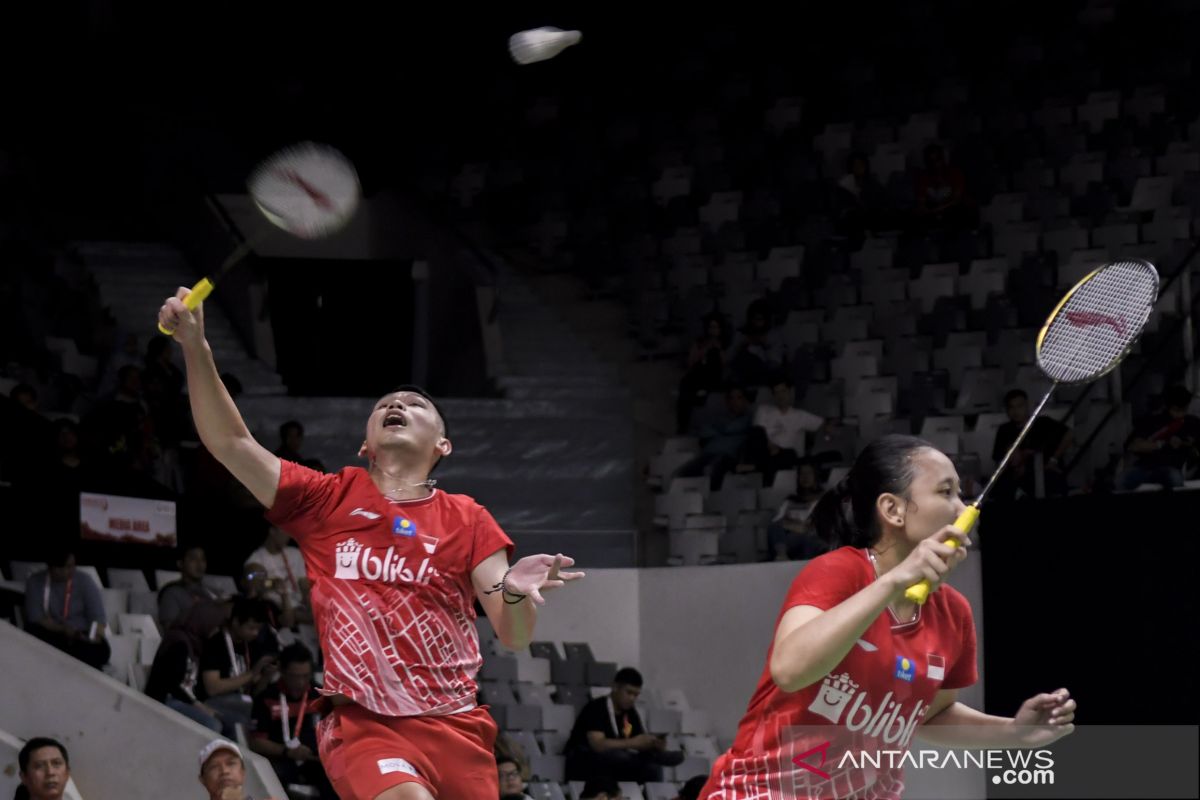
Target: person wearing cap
223, 771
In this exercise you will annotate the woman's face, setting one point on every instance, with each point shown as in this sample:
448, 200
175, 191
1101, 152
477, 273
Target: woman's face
933, 497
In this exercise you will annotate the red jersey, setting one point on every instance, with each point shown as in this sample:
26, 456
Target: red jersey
391, 587
869, 704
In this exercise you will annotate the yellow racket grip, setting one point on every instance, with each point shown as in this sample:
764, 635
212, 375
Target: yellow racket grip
199, 292
966, 522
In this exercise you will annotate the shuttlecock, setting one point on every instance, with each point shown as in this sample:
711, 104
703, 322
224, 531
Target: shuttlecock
540, 44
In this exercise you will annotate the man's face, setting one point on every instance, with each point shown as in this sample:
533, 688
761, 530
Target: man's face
624, 696
297, 679
64, 572
783, 395
246, 631
406, 420
223, 770
47, 774
1018, 409
293, 439
193, 565
736, 402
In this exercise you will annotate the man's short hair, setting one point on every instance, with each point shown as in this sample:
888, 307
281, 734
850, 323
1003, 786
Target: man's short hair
37, 743
59, 554
629, 677
183, 548
691, 789
597, 786
246, 609
295, 653
291, 424
1013, 394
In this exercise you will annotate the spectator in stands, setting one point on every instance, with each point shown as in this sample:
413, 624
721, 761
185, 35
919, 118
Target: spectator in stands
758, 352
942, 200
601, 789
512, 781
705, 369
255, 584
724, 441
285, 723
159, 365
291, 439
177, 597
223, 771
782, 428
176, 669
234, 665
286, 583
64, 607
67, 440
1165, 444
790, 535
860, 200
25, 396
610, 741
691, 789
45, 769
1048, 438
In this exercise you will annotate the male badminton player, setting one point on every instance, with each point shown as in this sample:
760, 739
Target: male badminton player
396, 566
855, 667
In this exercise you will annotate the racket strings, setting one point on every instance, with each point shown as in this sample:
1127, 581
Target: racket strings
1099, 321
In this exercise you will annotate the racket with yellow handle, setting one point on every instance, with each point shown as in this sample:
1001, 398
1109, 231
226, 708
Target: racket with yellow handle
309, 190
1085, 337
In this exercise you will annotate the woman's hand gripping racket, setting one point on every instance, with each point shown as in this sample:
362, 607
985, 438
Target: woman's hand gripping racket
1087, 334
309, 190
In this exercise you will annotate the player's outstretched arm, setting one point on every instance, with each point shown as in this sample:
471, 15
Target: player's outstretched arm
218, 422
509, 595
1042, 720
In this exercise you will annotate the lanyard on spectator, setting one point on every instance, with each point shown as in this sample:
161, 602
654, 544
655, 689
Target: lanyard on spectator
233, 665
66, 597
288, 567
293, 741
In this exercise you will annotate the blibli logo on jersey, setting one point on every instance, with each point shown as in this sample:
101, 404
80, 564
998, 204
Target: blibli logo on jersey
403, 527
840, 701
904, 669
354, 562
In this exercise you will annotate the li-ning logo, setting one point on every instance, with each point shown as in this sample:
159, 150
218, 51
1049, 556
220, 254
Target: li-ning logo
834, 703
354, 562
1085, 319
362, 512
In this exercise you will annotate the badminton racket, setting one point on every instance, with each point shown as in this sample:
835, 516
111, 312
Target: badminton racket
1085, 337
309, 190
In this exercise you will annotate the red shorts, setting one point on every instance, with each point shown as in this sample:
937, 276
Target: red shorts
365, 753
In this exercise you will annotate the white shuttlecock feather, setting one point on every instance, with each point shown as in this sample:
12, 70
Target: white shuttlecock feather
539, 44
310, 190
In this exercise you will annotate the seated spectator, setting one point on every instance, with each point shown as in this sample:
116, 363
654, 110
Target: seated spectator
177, 597
783, 428
160, 366
176, 669
234, 666
724, 441
691, 789
223, 771
512, 781
609, 740
942, 200
860, 200
65, 608
254, 583
45, 770
291, 439
1164, 444
1048, 438
286, 579
789, 534
285, 723
758, 352
705, 370
601, 789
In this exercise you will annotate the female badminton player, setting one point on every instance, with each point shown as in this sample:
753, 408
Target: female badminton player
396, 566
855, 667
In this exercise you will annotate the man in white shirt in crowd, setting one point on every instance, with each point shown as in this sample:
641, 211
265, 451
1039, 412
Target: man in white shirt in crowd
785, 427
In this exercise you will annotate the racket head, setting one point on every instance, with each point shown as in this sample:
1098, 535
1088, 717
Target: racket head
1093, 327
309, 190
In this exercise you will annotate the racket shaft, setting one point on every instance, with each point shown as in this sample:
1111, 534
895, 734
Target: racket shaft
1013, 447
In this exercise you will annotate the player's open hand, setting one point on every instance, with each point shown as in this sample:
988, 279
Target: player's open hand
534, 574
1046, 718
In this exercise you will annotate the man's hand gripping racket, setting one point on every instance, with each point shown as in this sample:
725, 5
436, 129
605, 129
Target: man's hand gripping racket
1087, 335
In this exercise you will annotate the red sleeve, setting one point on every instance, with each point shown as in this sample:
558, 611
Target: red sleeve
488, 539
965, 671
303, 499
828, 580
